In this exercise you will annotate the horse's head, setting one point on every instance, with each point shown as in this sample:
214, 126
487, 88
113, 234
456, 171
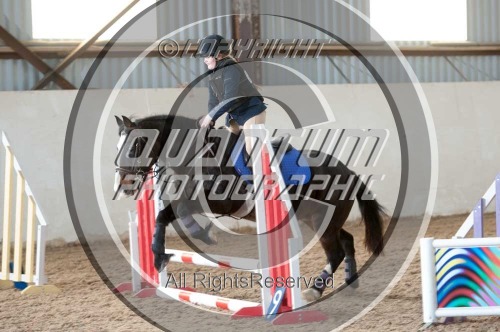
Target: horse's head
145, 141
135, 158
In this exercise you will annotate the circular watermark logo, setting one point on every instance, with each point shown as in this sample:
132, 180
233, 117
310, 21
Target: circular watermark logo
168, 48
353, 143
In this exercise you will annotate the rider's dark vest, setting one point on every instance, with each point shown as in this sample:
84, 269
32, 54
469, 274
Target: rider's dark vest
245, 86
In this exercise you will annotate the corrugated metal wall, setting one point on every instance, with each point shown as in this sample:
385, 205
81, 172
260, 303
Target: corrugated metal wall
351, 70
150, 73
18, 75
15, 16
329, 15
483, 27
483, 18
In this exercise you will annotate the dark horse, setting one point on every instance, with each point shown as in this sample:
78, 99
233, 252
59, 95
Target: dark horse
336, 242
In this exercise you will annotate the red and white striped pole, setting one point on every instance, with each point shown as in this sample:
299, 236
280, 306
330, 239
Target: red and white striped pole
273, 221
145, 279
145, 230
277, 224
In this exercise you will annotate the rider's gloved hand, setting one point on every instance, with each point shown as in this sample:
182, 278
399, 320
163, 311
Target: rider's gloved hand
206, 121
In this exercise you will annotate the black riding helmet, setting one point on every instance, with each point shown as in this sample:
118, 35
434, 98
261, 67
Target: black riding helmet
212, 45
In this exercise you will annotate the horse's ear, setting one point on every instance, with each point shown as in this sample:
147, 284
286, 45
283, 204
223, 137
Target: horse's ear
127, 122
119, 121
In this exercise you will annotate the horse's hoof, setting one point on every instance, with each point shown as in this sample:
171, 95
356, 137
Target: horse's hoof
353, 282
311, 295
161, 261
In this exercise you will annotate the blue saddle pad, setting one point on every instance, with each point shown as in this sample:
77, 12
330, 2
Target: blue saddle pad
292, 163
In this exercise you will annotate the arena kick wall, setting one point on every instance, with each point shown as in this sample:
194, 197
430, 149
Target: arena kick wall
464, 114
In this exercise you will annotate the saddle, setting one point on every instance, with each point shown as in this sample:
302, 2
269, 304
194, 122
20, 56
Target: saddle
275, 144
292, 162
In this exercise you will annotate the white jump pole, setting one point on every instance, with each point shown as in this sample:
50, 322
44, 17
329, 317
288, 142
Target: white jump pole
428, 268
216, 261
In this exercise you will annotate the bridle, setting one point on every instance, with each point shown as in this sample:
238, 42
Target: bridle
141, 174
136, 170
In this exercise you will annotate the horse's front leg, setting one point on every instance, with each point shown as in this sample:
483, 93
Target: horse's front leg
164, 218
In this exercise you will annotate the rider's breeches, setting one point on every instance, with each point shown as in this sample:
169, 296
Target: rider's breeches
235, 128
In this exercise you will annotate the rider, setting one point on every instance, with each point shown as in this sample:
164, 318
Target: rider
230, 89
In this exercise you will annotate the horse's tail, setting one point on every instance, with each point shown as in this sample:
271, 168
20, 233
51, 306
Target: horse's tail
372, 213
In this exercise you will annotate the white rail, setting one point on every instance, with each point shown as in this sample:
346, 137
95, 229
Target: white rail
469, 222
218, 261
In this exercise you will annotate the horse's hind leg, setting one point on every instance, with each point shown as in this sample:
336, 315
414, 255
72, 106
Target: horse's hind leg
185, 210
351, 272
335, 254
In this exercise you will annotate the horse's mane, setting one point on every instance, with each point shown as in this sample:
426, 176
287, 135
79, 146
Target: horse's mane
155, 117
165, 120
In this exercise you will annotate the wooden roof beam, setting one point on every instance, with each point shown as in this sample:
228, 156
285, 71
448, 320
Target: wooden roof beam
32, 58
80, 49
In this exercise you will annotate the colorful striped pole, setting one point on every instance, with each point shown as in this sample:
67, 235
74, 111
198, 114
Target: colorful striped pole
447, 263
